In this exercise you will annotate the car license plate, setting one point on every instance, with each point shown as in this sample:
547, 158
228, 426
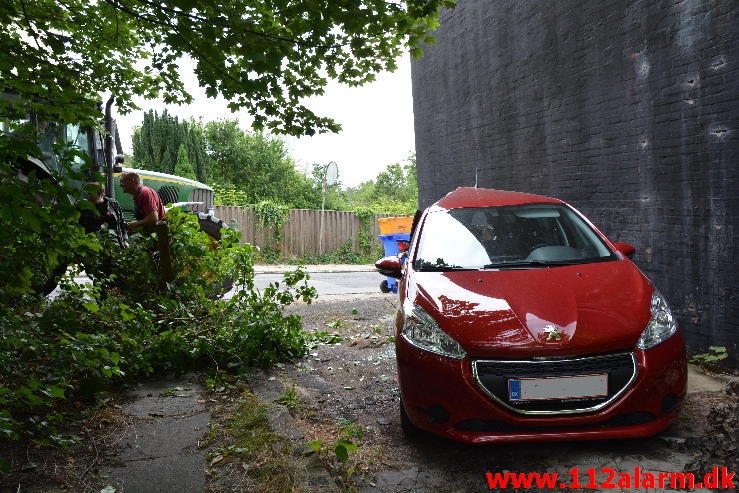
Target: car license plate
526, 389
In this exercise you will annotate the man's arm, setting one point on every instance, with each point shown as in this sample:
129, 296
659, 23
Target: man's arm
146, 200
149, 220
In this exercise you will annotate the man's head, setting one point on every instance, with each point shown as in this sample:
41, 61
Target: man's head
95, 191
130, 182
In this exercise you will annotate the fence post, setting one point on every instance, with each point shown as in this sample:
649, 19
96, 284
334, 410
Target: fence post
166, 273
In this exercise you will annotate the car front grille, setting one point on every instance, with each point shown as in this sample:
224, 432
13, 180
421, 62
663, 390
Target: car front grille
493, 377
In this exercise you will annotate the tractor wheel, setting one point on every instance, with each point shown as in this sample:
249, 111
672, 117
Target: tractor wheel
212, 226
53, 281
169, 194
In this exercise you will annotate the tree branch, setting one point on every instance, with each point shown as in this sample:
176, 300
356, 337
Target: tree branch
30, 26
217, 21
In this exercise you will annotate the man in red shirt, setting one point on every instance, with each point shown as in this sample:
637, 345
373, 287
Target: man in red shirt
148, 207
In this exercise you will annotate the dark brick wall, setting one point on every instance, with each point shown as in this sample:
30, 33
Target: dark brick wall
627, 109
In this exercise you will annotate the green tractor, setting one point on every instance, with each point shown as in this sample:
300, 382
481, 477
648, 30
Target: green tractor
99, 147
175, 191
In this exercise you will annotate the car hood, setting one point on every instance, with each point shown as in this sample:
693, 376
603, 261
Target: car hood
594, 308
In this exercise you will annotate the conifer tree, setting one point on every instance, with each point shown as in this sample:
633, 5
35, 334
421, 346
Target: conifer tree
158, 142
183, 167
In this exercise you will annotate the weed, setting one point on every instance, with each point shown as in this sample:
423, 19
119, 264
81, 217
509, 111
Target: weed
290, 399
714, 360
325, 337
348, 434
352, 431
717, 353
342, 255
257, 459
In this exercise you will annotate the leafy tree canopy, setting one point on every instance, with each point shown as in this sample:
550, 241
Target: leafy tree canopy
252, 167
264, 57
398, 182
393, 191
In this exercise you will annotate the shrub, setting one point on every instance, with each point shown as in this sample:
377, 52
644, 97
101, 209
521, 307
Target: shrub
128, 324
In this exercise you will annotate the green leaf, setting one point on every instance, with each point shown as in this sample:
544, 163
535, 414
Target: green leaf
717, 349
342, 449
126, 312
29, 397
91, 307
115, 358
341, 452
56, 392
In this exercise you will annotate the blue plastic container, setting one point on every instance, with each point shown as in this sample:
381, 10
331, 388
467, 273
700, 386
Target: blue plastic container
390, 244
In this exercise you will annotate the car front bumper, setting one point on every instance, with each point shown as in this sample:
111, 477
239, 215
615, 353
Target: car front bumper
442, 396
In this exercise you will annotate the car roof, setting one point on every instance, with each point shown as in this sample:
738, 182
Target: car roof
464, 197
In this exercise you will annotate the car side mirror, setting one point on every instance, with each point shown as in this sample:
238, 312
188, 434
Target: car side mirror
626, 248
390, 266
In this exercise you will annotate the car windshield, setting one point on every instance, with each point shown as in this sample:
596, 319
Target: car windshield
522, 236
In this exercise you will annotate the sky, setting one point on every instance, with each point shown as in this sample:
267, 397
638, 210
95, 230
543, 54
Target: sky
377, 121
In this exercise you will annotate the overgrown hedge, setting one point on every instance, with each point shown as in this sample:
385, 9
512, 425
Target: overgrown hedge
128, 324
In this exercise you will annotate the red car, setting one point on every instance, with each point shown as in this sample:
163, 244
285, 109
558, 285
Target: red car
520, 321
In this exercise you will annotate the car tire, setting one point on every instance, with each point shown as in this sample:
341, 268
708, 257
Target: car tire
409, 429
384, 287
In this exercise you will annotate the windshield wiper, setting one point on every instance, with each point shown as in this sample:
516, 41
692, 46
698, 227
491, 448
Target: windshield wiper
531, 263
443, 268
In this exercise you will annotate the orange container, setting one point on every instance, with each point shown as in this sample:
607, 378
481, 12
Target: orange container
393, 225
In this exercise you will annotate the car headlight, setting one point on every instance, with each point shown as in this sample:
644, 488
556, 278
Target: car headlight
661, 326
421, 330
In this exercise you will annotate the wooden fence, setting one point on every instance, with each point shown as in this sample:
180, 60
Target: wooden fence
301, 233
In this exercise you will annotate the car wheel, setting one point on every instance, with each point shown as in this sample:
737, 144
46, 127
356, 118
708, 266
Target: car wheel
409, 429
384, 287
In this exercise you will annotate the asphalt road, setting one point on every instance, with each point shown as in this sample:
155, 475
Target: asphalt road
331, 282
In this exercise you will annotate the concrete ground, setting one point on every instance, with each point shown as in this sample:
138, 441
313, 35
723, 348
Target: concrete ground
161, 453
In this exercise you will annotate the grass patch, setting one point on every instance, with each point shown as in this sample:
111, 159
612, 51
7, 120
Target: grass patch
246, 455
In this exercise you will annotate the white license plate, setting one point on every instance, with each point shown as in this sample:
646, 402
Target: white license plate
529, 389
